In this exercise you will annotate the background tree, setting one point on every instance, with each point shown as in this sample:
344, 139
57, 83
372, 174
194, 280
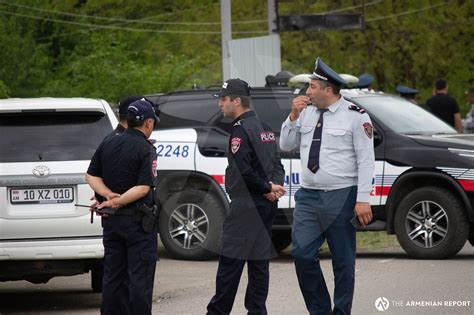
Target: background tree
110, 48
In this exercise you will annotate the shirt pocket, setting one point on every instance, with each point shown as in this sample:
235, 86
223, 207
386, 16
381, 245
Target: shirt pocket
306, 135
337, 138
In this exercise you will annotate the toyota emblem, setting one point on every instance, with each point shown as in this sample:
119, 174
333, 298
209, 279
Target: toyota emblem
41, 171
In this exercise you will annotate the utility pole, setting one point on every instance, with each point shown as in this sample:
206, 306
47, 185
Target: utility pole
272, 17
226, 33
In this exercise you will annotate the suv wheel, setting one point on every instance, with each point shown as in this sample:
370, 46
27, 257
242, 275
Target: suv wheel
190, 225
430, 223
281, 240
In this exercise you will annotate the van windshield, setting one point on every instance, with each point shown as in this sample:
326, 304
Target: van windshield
51, 136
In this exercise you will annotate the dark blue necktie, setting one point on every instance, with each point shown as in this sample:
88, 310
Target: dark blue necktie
313, 159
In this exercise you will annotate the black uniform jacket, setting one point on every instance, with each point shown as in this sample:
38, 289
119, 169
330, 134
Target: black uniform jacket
253, 158
124, 161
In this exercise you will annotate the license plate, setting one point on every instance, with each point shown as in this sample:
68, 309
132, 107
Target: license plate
42, 195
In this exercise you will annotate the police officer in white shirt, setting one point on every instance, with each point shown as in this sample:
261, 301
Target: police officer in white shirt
335, 139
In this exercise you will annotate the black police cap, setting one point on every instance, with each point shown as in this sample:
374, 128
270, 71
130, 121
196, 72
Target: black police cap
236, 87
126, 101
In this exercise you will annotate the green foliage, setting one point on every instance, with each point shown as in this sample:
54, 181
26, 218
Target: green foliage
410, 42
4, 91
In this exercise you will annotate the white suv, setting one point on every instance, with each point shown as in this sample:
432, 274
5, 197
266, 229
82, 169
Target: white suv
46, 145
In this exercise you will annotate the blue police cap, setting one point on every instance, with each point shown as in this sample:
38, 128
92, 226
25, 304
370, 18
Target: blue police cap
405, 90
365, 80
141, 110
324, 73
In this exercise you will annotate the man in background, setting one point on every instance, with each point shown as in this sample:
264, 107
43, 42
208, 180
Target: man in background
444, 106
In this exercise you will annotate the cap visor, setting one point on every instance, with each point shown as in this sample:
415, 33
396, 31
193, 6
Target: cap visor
221, 94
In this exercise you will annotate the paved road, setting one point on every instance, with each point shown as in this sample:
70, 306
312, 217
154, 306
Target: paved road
409, 287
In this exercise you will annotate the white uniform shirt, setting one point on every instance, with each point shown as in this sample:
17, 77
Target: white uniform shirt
346, 157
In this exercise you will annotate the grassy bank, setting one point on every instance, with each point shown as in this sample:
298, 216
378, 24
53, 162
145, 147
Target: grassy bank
371, 240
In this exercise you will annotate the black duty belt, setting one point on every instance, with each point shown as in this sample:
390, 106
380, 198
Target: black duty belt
127, 210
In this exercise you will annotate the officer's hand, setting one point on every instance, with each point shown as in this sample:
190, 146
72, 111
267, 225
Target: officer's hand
112, 203
363, 212
94, 204
270, 196
278, 190
299, 103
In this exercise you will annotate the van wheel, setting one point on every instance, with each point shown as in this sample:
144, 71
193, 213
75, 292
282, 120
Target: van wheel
190, 225
96, 279
281, 240
430, 223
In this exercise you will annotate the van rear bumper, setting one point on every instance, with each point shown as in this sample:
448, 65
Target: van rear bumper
69, 248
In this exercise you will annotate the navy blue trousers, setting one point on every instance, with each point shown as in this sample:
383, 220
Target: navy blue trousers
129, 266
246, 238
321, 216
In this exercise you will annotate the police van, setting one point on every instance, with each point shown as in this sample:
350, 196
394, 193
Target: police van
46, 146
423, 186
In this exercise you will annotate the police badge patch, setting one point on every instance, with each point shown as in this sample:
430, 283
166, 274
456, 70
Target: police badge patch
235, 144
369, 130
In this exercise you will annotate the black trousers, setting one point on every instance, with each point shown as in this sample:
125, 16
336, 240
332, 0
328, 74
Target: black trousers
246, 238
129, 266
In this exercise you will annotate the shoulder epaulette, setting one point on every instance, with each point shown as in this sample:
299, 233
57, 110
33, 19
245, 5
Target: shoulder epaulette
356, 108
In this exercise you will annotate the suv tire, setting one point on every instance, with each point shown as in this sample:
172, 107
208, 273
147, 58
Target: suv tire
430, 223
190, 225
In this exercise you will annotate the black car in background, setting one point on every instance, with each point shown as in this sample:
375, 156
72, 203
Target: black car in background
423, 186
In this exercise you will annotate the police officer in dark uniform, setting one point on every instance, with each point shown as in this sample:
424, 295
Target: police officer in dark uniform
123, 171
253, 180
121, 127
